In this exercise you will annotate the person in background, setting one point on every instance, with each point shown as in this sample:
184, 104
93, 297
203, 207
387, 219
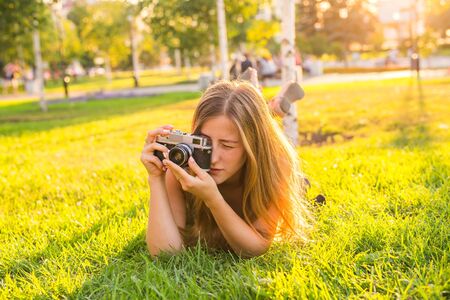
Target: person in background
267, 69
235, 69
11, 77
246, 63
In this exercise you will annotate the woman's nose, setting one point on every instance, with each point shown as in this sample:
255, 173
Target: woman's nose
215, 157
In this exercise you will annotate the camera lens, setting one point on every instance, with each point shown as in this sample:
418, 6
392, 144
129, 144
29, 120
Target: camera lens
180, 154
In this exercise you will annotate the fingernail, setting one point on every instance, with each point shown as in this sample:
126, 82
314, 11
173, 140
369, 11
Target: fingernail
166, 131
191, 159
164, 161
164, 169
166, 155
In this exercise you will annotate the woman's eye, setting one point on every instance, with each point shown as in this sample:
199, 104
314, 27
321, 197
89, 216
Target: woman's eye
227, 146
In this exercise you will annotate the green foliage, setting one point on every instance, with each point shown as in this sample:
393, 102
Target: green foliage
17, 17
74, 201
58, 45
240, 18
355, 28
307, 17
261, 33
438, 16
103, 28
192, 25
17, 21
334, 29
149, 50
186, 25
316, 44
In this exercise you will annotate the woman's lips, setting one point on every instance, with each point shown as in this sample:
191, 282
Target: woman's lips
214, 171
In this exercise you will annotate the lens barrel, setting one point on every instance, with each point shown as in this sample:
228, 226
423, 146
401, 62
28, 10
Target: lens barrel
180, 154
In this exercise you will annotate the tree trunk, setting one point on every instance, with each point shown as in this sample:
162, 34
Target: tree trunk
187, 63
134, 53
39, 78
346, 57
108, 69
288, 70
222, 39
20, 55
212, 50
178, 60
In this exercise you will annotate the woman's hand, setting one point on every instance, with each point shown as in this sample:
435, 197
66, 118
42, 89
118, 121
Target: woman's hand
151, 162
201, 185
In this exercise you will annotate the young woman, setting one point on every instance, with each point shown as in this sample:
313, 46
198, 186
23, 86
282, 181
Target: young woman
252, 193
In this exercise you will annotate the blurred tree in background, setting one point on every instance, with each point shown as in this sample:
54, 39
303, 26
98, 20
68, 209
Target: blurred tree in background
308, 25
333, 26
438, 16
103, 28
16, 26
191, 25
99, 32
261, 34
438, 24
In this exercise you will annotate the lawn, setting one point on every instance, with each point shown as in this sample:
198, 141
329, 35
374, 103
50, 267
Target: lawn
74, 201
123, 80
120, 80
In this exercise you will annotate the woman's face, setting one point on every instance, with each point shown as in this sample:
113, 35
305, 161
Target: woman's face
228, 153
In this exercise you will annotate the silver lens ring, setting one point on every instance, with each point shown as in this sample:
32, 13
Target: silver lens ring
180, 154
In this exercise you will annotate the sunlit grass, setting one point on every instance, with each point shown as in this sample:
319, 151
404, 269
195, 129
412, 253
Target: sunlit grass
121, 80
74, 199
125, 80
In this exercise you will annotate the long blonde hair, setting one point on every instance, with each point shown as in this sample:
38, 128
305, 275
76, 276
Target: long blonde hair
271, 172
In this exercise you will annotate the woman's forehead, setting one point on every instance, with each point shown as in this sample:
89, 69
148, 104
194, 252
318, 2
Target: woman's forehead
220, 127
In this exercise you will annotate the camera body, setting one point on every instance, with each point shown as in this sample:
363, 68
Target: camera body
183, 145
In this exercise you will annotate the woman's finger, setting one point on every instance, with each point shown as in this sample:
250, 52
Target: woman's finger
196, 168
152, 134
150, 148
147, 158
179, 173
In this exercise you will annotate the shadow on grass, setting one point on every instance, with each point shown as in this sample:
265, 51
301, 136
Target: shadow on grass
102, 282
412, 123
27, 117
33, 263
323, 137
132, 273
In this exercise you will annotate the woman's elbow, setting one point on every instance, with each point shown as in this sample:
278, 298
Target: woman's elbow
156, 250
256, 251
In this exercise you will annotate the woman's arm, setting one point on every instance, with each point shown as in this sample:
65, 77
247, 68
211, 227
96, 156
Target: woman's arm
242, 238
164, 216
162, 230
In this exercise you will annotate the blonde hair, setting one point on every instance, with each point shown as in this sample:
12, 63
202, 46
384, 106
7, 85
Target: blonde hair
271, 172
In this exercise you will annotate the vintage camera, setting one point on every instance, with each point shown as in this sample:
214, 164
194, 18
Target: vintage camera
183, 145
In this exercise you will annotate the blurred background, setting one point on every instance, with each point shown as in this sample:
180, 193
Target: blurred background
91, 45
373, 136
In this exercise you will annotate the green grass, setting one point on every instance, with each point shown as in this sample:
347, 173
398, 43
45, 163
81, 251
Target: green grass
73, 206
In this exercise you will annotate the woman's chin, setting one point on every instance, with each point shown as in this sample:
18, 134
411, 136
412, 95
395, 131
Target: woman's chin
218, 178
